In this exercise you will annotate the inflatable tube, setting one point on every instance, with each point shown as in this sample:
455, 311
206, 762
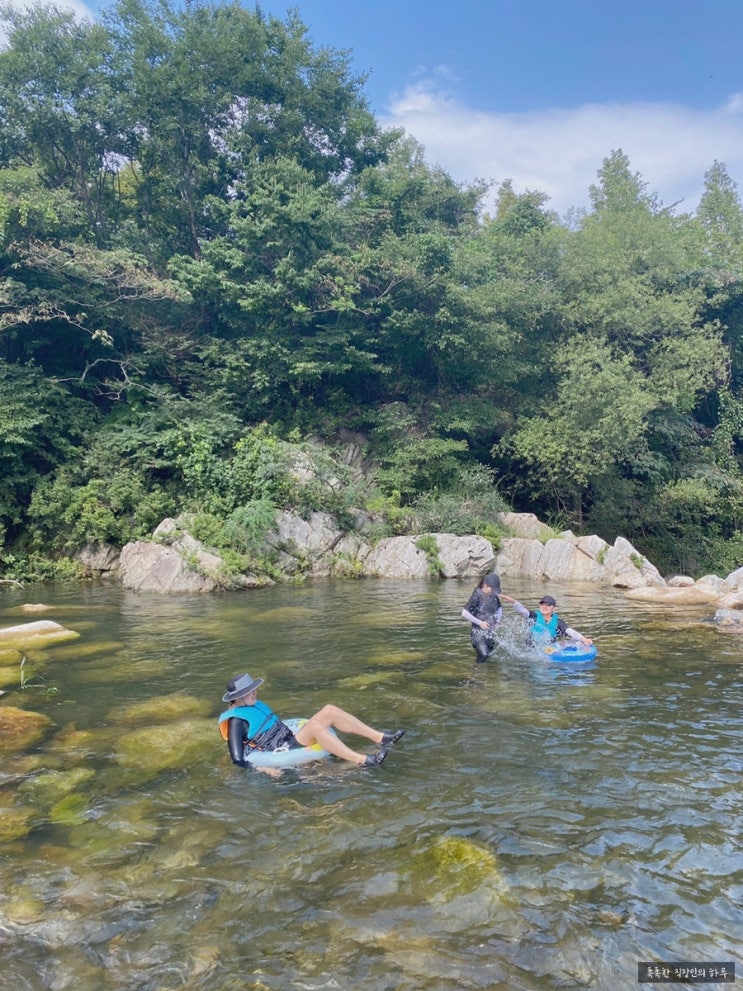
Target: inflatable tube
286, 758
573, 651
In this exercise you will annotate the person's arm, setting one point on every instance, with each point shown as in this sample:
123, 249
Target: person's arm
521, 610
235, 741
473, 619
574, 635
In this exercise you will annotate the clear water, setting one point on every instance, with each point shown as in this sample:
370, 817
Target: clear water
539, 826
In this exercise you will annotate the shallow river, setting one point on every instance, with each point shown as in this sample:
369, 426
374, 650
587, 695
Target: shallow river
539, 827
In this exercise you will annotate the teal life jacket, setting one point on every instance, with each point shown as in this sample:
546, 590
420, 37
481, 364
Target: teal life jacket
541, 629
259, 717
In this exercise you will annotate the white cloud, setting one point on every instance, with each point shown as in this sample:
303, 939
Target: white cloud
559, 151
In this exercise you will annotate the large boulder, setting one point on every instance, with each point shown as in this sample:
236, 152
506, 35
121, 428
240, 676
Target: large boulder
306, 545
524, 525
98, 559
729, 620
405, 557
173, 562
149, 567
464, 557
690, 595
396, 557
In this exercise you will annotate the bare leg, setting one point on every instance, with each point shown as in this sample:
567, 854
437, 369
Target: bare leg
317, 730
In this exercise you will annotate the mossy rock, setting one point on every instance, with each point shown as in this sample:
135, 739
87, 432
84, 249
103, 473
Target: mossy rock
39, 634
396, 658
70, 810
361, 681
20, 728
458, 866
76, 651
10, 675
15, 823
146, 752
167, 709
121, 669
24, 907
79, 742
51, 787
285, 614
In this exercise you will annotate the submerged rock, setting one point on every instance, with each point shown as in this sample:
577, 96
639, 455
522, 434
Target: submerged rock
145, 753
51, 787
15, 822
729, 620
164, 709
455, 865
38, 634
20, 728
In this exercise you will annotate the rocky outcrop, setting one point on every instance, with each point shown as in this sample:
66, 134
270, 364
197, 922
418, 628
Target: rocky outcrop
305, 545
175, 562
433, 555
570, 558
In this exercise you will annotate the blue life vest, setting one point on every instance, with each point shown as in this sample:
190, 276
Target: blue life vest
541, 629
258, 716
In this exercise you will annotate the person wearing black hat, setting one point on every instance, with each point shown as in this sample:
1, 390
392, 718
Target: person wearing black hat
545, 626
484, 612
250, 723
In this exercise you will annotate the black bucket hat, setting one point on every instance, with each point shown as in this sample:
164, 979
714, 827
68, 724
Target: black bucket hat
241, 684
547, 600
492, 581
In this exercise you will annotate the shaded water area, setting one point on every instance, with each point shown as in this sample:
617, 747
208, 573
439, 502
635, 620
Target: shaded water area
539, 827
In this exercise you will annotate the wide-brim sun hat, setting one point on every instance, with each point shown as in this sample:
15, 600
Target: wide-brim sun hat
241, 684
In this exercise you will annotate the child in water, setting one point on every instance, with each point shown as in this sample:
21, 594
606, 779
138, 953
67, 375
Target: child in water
545, 626
484, 612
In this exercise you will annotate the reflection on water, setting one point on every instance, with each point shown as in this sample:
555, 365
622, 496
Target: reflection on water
539, 827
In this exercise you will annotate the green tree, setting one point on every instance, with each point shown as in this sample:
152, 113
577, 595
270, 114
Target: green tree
213, 89
39, 427
62, 108
594, 426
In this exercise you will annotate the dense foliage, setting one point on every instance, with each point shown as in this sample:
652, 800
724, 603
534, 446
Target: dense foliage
211, 255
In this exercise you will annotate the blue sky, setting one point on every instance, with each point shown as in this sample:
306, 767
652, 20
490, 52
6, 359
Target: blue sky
540, 92
523, 55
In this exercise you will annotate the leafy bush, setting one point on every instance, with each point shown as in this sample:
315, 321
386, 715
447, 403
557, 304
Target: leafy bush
247, 526
472, 506
240, 539
427, 543
65, 515
32, 567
